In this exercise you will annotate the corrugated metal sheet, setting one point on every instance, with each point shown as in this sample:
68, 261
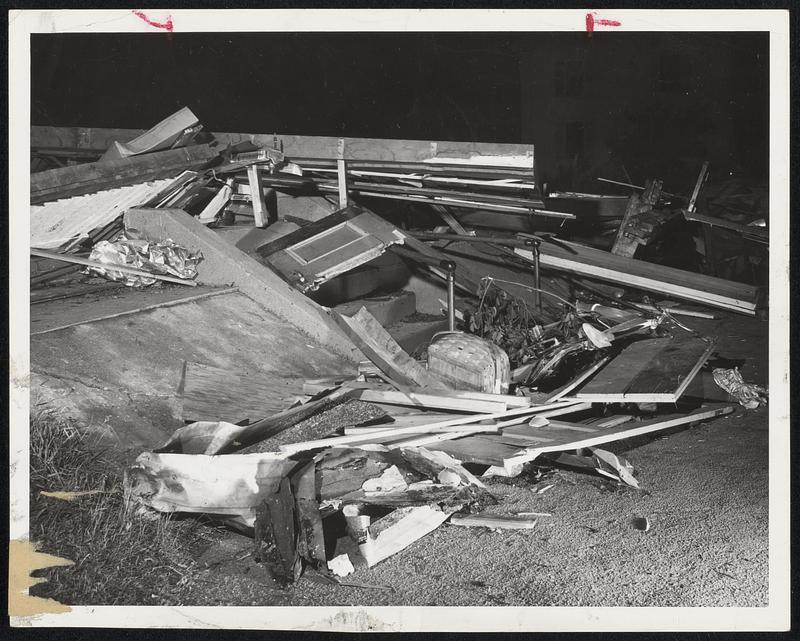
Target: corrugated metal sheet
61, 222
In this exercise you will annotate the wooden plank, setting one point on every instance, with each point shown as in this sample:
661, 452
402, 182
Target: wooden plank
85, 138
429, 401
275, 537
68, 258
257, 195
653, 370
494, 521
566, 439
501, 155
208, 437
451, 220
460, 420
90, 177
597, 264
163, 135
310, 539
341, 174
399, 529
508, 399
222, 394
378, 345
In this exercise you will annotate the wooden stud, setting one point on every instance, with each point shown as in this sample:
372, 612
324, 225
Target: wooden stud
257, 195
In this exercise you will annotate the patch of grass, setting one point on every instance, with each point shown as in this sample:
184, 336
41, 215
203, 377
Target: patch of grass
120, 557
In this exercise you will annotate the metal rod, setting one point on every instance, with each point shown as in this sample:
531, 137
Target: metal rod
110, 267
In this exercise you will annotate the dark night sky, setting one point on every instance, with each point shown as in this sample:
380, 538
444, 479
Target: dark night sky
457, 86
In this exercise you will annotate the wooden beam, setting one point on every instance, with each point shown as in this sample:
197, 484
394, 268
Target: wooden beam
257, 195
598, 264
341, 174
76, 180
433, 153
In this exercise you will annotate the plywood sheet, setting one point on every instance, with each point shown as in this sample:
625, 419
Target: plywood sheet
216, 394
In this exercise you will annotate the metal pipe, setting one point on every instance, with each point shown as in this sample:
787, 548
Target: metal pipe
450, 267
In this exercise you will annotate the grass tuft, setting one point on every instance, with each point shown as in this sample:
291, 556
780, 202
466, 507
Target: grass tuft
120, 558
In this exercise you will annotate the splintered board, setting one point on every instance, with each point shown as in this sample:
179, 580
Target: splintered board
216, 394
331, 246
520, 444
654, 370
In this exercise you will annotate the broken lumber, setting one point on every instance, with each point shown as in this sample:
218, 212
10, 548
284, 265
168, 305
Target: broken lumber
169, 133
375, 342
208, 437
293, 448
399, 529
275, 537
557, 437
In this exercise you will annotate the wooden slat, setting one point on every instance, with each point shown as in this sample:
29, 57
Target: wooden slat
507, 399
562, 437
462, 420
430, 401
598, 264
654, 370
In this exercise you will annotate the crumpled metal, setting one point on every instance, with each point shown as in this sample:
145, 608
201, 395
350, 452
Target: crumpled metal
748, 394
159, 258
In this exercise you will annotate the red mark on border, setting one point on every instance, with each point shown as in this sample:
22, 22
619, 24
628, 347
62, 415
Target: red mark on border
167, 26
591, 21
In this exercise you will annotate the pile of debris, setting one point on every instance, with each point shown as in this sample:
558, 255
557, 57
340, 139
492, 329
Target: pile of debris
552, 347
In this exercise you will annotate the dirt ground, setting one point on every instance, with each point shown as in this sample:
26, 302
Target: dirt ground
704, 489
